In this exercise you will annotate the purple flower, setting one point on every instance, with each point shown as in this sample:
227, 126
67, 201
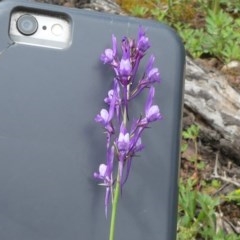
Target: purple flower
150, 77
102, 175
136, 144
152, 74
139, 146
105, 175
114, 97
122, 143
143, 41
152, 112
123, 139
109, 97
125, 66
109, 54
102, 170
103, 117
113, 93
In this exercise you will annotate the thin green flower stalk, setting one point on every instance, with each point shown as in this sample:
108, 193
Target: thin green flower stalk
114, 209
123, 133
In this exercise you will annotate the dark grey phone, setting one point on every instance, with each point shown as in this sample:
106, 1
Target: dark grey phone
50, 144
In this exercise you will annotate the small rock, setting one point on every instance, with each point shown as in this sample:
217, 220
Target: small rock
232, 68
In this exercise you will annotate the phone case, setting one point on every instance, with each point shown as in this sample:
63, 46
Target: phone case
50, 144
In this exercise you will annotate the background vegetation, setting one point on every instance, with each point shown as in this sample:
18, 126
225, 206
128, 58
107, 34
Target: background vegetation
207, 27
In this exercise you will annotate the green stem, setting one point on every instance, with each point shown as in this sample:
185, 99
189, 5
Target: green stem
117, 189
114, 209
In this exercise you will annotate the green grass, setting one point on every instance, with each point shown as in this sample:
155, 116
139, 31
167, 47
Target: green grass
198, 207
208, 28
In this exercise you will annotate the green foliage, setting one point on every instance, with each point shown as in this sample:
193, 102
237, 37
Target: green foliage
193, 39
197, 209
232, 6
201, 165
219, 38
196, 215
234, 196
184, 147
216, 183
139, 11
159, 14
191, 132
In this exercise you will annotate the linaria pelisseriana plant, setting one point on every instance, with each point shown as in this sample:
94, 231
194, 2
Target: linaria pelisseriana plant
123, 135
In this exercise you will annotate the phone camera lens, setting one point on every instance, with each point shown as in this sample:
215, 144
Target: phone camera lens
27, 24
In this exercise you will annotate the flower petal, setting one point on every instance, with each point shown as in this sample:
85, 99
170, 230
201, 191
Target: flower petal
104, 114
143, 41
125, 67
102, 169
153, 114
154, 75
149, 101
114, 45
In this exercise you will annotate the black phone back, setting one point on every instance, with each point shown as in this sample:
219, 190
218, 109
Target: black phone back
50, 144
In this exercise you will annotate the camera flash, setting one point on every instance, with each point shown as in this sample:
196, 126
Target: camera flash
57, 29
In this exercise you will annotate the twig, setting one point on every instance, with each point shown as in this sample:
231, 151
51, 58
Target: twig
223, 178
234, 228
221, 188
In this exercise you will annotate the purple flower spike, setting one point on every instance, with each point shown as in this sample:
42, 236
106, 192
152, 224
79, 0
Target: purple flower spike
143, 41
123, 145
